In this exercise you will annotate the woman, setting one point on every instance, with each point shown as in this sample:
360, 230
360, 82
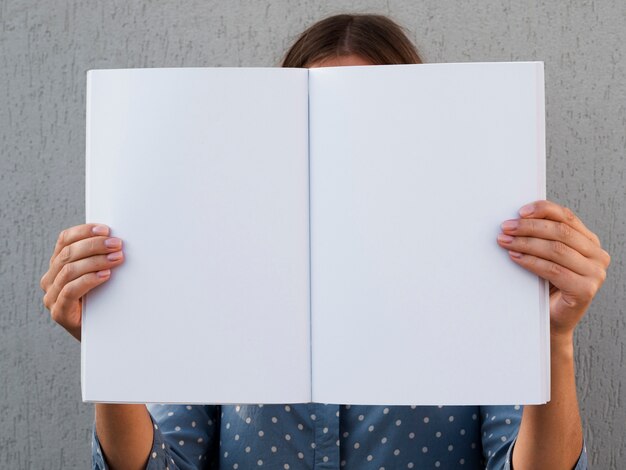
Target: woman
547, 239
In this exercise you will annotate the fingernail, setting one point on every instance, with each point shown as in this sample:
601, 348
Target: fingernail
100, 230
114, 256
527, 210
104, 273
112, 242
515, 254
509, 225
505, 238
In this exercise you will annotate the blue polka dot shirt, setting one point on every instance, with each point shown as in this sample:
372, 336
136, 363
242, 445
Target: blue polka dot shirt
324, 437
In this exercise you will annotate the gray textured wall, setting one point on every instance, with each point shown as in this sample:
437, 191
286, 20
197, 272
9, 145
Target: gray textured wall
46, 46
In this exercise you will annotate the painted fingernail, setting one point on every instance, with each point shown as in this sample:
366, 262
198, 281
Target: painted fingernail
515, 254
505, 238
115, 256
104, 273
100, 230
527, 210
509, 225
112, 242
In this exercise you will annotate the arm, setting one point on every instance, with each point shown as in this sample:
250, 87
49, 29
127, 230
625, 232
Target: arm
125, 435
181, 437
499, 426
550, 241
83, 258
553, 432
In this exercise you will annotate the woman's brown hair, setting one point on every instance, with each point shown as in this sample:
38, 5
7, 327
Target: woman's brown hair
373, 37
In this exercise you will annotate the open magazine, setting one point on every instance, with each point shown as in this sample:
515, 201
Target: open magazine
326, 235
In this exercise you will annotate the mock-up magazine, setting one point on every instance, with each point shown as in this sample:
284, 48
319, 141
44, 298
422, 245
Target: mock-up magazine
315, 235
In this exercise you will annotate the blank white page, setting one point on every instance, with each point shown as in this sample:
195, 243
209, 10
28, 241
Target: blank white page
203, 172
413, 168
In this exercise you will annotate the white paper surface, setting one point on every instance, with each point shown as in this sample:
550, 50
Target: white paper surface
203, 174
413, 168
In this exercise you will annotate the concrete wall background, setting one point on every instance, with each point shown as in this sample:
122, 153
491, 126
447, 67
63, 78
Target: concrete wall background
47, 45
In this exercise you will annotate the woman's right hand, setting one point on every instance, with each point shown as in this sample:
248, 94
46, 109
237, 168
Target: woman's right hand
83, 258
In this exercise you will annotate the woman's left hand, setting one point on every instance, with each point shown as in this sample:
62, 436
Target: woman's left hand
551, 241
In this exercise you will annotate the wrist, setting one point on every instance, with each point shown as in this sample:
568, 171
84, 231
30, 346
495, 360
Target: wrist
562, 345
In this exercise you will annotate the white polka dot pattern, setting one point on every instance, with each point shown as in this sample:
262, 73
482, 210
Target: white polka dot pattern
324, 437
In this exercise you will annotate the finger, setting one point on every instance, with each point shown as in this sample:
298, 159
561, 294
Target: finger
71, 293
551, 230
79, 268
563, 278
558, 213
78, 232
551, 250
78, 250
